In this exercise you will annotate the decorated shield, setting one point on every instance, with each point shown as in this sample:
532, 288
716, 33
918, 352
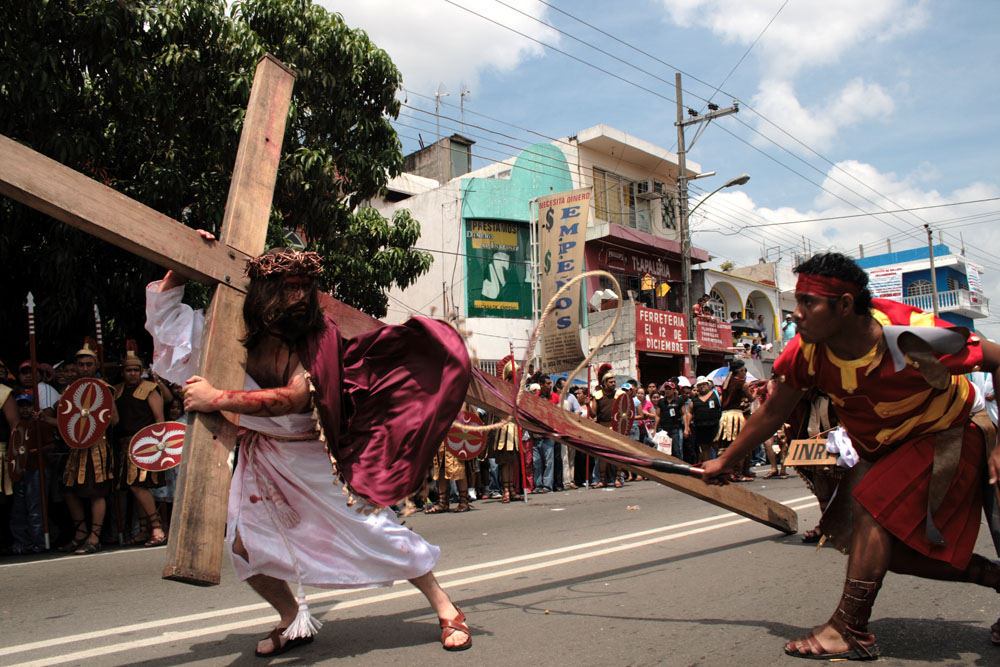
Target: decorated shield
465, 445
157, 447
84, 412
623, 415
17, 453
509, 359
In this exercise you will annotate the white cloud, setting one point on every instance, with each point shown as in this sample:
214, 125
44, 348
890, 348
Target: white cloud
434, 43
975, 224
805, 33
817, 126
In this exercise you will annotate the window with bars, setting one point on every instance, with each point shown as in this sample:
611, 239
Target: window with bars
919, 288
717, 304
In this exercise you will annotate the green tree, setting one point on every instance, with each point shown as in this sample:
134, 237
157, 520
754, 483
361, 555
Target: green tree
149, 97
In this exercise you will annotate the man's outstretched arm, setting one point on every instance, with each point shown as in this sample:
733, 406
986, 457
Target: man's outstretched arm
201, 396
762, 425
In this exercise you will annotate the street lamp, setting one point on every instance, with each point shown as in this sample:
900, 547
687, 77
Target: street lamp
686, 247
739, 180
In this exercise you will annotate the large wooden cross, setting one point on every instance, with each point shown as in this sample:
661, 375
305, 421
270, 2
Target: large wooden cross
195, 547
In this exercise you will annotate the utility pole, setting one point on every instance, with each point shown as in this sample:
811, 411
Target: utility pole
682, 203
437, 115
930, 251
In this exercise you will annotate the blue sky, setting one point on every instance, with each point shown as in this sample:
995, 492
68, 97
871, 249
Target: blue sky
892, 104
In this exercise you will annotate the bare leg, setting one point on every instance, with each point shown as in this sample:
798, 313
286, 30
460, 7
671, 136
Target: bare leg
75, 508
275, 591
871, 553
145, 500
772, 458
441, 603
97, 509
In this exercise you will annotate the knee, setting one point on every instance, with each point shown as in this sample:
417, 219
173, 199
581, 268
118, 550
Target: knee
239, 549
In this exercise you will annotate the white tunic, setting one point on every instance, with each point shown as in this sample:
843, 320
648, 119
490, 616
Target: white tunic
284, 502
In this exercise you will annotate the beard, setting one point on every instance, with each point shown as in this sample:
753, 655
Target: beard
290, 324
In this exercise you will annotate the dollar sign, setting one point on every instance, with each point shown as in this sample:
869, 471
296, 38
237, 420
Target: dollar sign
548, 262
549, 220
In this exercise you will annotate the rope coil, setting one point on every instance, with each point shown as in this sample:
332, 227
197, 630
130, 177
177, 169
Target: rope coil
533, 342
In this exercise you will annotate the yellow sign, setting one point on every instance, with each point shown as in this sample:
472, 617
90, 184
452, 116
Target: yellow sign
562, 233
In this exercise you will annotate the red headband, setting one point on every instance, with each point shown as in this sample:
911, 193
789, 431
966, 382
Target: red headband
825, 286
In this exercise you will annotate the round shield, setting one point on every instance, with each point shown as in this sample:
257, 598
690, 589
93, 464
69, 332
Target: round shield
157, 447
84, 412
509, 359
465, 445
623, 415
17, 453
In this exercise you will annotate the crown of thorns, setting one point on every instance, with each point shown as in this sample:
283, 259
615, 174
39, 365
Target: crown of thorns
293, 263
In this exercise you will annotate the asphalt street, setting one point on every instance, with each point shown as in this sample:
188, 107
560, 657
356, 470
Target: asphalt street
637, 576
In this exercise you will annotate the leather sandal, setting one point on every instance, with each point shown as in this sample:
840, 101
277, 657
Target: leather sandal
154, 523
88, 547
75, 543
453, 625
463, 503
440, 508
279, 648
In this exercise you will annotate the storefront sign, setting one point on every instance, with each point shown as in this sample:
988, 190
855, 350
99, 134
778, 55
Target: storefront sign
713, 335
659, 331
886, 283
497, 277
634, 263
562, 233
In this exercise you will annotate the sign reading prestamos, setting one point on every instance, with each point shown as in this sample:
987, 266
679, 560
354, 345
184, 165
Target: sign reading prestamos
562, 232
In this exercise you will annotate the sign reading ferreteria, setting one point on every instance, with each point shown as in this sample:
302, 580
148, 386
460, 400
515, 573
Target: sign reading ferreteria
713, 334
562, 233
660, 331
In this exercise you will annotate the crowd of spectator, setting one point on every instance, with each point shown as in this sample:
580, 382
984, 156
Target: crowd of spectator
690, 418
679, 416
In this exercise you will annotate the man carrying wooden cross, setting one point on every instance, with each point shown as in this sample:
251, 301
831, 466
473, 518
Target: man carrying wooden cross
310, 399
896, 377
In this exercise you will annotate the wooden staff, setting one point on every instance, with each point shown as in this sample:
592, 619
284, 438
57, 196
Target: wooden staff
100, 342
36, 427
520, 433
99, 348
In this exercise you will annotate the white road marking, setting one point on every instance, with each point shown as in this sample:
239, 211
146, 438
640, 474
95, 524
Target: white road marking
174, 636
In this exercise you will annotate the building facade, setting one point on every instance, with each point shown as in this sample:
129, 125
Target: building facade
479, 227
906, 276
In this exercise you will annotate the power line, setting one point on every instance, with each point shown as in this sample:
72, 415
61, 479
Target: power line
765, 137
875, 213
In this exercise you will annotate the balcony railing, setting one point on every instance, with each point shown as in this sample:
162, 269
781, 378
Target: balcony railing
960, 301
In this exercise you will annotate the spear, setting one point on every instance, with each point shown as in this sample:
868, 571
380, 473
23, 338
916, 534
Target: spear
37, 435
100, 341
520, 440
115, 504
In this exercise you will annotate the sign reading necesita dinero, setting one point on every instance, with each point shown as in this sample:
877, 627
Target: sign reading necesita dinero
562, 232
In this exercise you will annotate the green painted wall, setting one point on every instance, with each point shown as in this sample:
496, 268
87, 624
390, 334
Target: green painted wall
539, 170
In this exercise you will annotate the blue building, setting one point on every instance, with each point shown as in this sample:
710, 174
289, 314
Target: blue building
960, 297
